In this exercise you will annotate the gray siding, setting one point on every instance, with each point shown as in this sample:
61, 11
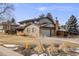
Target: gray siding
49, 23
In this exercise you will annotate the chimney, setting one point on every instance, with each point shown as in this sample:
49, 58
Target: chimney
57, 23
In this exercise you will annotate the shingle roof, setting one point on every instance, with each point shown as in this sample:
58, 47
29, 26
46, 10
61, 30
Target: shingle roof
62, 29
36, 19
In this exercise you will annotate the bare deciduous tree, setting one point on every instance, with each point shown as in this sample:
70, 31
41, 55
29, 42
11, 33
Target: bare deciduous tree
6, 11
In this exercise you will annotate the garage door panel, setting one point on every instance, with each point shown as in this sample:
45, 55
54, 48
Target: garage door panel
45, 33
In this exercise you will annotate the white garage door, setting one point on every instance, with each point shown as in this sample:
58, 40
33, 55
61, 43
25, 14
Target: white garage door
45, 33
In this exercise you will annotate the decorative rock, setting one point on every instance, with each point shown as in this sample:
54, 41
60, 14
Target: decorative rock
26, 52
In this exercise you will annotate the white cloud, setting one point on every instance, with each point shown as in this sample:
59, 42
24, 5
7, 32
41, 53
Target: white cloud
42, 8
63, 8
58, 8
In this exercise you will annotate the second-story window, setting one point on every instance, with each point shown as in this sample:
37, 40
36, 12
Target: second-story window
33, 29
28, 30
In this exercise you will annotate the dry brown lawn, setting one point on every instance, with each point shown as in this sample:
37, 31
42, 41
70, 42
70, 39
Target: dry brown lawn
73, 45
14, 39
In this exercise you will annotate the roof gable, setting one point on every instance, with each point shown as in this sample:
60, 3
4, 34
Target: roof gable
36, 19
24, 26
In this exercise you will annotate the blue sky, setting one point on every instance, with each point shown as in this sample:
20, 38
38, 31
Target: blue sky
63, 11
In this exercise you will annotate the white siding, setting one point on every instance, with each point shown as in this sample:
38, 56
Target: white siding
2, 31
1, 27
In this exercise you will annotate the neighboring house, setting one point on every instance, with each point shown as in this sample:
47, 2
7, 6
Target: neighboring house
1, 29
5, 27
43, 26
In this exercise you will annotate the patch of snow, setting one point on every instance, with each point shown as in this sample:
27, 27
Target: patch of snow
34, 55
43, 54
9, 45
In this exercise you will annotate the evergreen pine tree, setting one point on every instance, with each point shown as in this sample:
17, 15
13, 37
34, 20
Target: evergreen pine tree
49, 15
13, 20
42, 15
72, 25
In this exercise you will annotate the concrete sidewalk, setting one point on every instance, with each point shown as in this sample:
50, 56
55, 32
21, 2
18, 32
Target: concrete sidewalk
7, 52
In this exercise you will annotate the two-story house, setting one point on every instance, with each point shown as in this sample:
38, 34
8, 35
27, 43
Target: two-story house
43, 26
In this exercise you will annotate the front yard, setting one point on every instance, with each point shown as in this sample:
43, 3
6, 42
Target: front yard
13, 39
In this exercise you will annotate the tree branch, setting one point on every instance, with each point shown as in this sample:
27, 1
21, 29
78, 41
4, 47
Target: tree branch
4, 10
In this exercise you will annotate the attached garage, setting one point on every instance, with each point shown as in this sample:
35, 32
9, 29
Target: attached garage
45, 33
48, 32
